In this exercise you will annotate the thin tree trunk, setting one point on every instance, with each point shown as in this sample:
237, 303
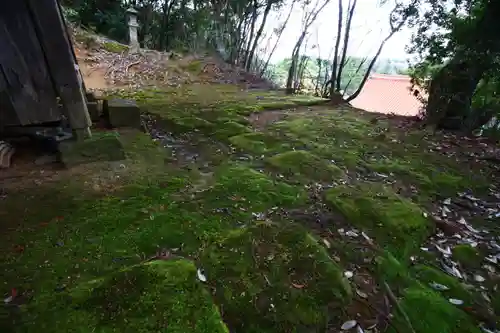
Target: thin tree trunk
277, 40
370, 68
252, 31
333, 78
308, 22
346, 44
259, 33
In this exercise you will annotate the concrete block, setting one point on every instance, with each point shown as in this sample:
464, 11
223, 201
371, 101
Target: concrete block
90, 97
99, 148
93, 111
123, 113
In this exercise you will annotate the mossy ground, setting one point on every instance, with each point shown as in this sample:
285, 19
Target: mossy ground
77, 245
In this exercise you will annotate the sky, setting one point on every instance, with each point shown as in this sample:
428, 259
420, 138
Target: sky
370, 27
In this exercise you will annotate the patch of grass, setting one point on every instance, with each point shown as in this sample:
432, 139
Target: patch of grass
397, 223
114, 47
279, 275
159, 296
303, 163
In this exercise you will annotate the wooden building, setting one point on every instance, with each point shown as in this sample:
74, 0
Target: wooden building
40, 82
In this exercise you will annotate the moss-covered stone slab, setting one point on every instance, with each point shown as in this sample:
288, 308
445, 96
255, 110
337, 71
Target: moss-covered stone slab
159, 296
122, 113
272, 278
304, 164
229, 129
397, 223
101, 147
240, 186
258, 143
428, 312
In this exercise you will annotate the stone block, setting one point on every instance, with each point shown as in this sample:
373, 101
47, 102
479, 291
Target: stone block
93, 108
90, 97
123, 113
101, 147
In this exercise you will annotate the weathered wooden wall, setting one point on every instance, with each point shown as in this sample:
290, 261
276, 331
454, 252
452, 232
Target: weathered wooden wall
27, 93
37, 67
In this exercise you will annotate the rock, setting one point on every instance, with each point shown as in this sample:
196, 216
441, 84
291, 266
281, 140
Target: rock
122, 113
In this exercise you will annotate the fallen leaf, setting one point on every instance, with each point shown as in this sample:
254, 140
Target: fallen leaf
327, 243
456, 301
348, 325
438, 286
201, 276
361, 294
348, 274
479, 278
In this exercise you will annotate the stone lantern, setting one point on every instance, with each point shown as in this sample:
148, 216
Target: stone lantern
133, 26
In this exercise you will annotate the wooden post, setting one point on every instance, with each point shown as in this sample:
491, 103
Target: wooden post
63, 69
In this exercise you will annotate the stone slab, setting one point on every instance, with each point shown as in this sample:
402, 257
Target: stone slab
99, 148
123, 113
94, 113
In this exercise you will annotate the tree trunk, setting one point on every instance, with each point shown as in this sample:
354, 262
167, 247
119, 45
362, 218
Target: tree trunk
451, 92
259, 33
293, 66
277, 40
252, 31
333, 78
346, 44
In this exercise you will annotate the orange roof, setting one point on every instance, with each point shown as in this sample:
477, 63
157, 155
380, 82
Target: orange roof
388, 94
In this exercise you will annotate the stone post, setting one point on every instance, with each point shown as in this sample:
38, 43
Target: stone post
132, 26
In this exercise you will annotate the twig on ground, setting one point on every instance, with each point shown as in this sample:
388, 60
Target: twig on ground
398, 306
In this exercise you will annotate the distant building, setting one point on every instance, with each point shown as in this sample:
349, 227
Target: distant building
388, 94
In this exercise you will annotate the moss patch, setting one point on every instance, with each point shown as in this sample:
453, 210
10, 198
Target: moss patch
467, 255
429, 313
161, 296
398, 224
246, 189
258, 143
229, 129
114, 47
255, 269
302, 163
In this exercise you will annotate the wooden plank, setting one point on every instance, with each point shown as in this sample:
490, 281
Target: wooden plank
62, 66
26, 80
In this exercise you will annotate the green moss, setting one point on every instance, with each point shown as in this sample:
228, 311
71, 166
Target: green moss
241, 186
160, 296
114, 47
428, 275
230, 128
430, 313
194, 67
302, 163
467, 255
252, 271
258, 143
398, 224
